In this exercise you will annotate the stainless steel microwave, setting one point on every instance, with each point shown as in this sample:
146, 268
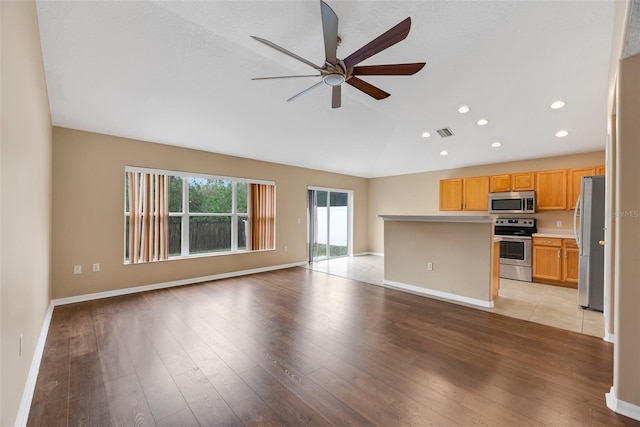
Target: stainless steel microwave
514, 202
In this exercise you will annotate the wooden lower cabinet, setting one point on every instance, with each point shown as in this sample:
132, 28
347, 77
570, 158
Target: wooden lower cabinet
547, 264
570, 260
555, 261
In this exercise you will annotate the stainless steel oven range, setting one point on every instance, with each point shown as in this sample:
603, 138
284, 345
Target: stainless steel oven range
515, 247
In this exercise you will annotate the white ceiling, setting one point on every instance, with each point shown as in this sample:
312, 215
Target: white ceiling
179, 73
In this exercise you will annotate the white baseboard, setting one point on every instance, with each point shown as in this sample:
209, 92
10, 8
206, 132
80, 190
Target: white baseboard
191, 281
609, 337
432, 293
621, 407
32, 377
368, 253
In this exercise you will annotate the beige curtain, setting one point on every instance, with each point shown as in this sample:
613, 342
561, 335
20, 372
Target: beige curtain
148, 217
262, 216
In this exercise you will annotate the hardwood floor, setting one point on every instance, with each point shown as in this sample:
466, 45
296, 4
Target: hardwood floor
299, 347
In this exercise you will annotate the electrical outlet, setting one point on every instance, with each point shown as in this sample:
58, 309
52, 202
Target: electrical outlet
96, 267
559, 224
429, 266
77, 269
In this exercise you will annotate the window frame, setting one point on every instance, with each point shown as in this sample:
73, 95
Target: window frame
185, 214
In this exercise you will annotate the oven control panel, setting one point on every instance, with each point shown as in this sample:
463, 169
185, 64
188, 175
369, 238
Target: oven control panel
516, 222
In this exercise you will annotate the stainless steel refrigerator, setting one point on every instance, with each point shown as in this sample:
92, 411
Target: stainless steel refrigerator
588, 227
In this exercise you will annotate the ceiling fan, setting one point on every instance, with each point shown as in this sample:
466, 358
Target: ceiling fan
336, 71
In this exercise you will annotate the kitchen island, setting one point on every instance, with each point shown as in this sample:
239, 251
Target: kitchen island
443, 257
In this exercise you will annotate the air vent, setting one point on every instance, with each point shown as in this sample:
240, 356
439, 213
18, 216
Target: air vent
445, 132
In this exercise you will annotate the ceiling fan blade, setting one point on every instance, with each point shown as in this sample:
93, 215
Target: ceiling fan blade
336, 97
385, 40
286, 77
286, 52
367, 88
305, 91
388, 70
330, 31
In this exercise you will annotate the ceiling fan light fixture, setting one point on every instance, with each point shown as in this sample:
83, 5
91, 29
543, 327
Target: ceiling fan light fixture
464, 109
557, 105
333, 79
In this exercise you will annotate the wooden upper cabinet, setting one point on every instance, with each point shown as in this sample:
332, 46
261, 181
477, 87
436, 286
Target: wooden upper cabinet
600, 170
525, 181
499, 183
451, 194
551, 189
475, 194
575, 182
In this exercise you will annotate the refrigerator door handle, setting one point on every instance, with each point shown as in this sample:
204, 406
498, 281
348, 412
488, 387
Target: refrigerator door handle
575, 222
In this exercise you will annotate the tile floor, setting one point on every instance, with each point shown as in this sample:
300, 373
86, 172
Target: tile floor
546, 304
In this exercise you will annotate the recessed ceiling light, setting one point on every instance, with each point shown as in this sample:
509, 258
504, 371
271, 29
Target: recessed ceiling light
496, 144
463, 109
562, 133
443, 153
557, 104
426, 134
482, 122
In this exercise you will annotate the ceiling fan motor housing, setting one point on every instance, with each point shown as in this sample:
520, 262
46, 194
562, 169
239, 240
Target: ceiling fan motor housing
333, 79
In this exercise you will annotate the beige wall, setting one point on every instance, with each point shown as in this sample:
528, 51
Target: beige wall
25, 200
626, 376
88, 221
418, 194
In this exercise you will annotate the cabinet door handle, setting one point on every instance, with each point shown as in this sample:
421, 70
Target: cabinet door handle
558, 253
565, 253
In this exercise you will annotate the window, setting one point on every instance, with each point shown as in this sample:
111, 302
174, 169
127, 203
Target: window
174, 215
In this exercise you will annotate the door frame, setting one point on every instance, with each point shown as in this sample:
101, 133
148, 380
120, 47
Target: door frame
310, 217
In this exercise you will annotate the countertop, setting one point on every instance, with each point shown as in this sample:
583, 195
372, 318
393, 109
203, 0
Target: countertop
564, 235
438, 218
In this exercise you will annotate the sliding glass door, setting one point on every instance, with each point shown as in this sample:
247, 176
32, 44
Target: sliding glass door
330, 223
